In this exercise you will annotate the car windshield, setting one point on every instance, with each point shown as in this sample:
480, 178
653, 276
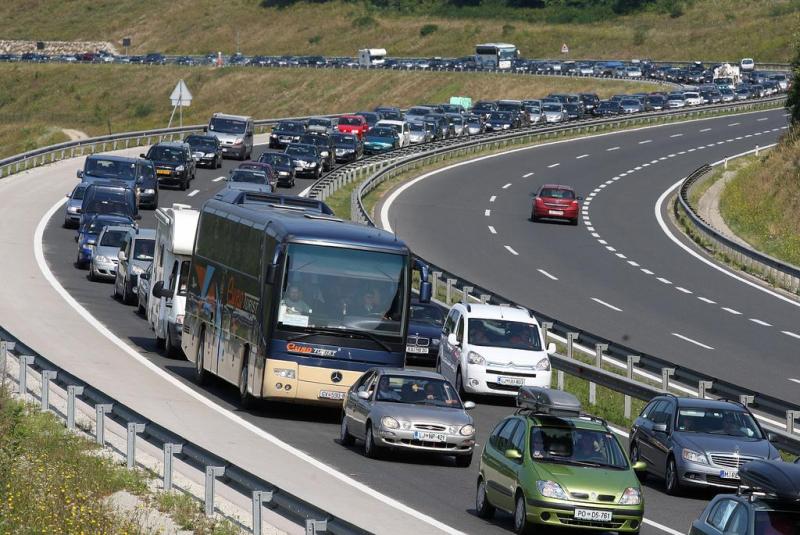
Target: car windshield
113, 238
551, 107
499, 116
249, 176
108, 206
144, 249
418, 111
97, 225
165, 154
581, 447
557, 193
608, 105
673, 96
629, 102
102, 168
735, 423
381, 131
290, 127
417, 391
275, 160
299, 150
339, 288
777, 523
426, 314
201, 143
351, 121
416, 127
340, 140
504, 334
655, 99
227, 126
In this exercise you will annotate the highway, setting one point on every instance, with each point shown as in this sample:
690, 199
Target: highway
433, 486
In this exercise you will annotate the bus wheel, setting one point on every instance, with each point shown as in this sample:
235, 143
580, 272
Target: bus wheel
245, 399
200, 374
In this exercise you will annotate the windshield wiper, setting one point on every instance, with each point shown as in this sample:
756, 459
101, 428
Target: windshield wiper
343, 332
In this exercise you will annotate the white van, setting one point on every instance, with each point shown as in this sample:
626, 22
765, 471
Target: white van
490, 349
371, 57
175, 231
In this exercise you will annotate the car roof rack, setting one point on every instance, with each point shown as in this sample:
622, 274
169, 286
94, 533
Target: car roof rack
544, 401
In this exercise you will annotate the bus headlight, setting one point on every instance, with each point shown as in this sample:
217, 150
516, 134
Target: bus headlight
284, 372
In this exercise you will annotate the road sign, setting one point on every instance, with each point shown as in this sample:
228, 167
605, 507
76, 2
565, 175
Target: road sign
564, 49
180, 95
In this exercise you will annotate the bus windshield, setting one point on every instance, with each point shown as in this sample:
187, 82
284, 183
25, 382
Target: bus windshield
338, 288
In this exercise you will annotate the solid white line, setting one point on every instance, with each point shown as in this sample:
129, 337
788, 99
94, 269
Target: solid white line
511, 250
762, 119
707, 300
662, 527
646, 271
487, 213
218, 179
682, 289
38, 250
193, 193
646, 141
581, 156
546, 274
732, 311
612, 307
492, 198
553, 165
734, 124
662, 279
526, 175
507, 186
612, 148
759, 322
790, 333
492, 230
705, 130
695, 342
305, 192
676, 135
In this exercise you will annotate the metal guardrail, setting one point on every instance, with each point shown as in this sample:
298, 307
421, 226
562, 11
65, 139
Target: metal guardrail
781, 273
261, 491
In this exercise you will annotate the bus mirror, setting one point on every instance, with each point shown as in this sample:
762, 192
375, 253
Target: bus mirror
160, 291
425, 290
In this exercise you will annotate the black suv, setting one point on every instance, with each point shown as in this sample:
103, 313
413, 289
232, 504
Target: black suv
174, 163
325, 145
282, 166
347, 148
306, 159
206, 150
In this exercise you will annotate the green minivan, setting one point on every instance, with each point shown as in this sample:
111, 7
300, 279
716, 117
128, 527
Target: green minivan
549, 465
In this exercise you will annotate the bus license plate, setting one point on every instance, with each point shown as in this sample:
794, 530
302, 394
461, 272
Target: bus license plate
415, 349
590, 514
511, 381
428, 436
729, 474
331, 394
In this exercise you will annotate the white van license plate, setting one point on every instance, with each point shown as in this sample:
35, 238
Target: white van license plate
511, 381
591, 514
415, 349
729, 474
330, 394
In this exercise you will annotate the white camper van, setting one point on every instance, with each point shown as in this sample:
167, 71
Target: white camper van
175, 231
371, 57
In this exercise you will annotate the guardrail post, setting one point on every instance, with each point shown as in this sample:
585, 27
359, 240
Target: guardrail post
170, 449
757, 150
746, 399
72, 391
465, 294
790, 418
101, 409
450, 283
47, 376
24, 362
435, 283
316, 526
133, 428
703, 387
571, 337
598, 354
260, 497
5, 347
212, 472
546, 326
632, 359
666, 373
485, 298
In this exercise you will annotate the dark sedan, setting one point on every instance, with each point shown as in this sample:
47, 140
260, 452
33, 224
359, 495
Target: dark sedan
424, 331
607, 108
206, 150
286, 132
306, 159
500, 120
282, 166
325, 145
347, 148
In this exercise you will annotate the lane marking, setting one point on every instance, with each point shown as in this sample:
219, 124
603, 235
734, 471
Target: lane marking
620, 255
612, 307
682, 289
553, 165
487, 213
734, 124
646, 271
610, 248
790, 333
511, 250
507, 186
595, 235
582, 156
590, 229
305, 192
645, 142
732, 311
612, 148
695, 342
218, 179
759, 322
705, 130
762, 119
526, 175
794, 380
676, 135
662, 279
634, 264
492, 230
707, 300
548, 275
38, 250
193, 193
603, 242
492, 198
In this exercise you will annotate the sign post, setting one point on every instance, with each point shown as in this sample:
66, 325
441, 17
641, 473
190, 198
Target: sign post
180, 97
564, 49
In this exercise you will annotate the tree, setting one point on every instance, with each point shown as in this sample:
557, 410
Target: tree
793, 101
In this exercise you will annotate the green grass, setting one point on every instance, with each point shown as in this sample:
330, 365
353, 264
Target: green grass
99, 99
760, 204
187, 512
708, 29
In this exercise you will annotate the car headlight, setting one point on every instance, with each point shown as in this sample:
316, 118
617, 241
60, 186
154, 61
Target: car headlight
102, 259
72, 209
283, 173
543, 364
136, 270
179, 319
551, 489
237, 141
149, 191
467, 430
180, 169
284, 372
475, 358
390, 423
631, 496
210, 154
312, 164
273, 135
694, 457
435, 342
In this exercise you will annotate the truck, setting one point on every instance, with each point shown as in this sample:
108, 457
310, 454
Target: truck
371, 57
175, 233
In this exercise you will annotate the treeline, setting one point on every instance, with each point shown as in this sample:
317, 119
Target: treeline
552, 11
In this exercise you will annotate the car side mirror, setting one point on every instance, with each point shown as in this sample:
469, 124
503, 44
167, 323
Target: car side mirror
772, 437
513, 454
121, 256
145, 276
67, 195
137, 217
205, 129
469, 405
142, 156
551, 348
425, 291
363, 394
80, 173
639, 466
452, 340
660, 428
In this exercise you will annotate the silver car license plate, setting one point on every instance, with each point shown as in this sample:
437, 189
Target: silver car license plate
415, 349
331, 394
593, 515
511, 381
429, 436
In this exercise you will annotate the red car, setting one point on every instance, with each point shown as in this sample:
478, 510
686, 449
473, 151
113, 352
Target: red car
554, 201
353, 124
263, 167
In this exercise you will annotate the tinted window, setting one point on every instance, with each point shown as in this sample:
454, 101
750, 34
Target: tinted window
718, 518
351, 121
426, 314
275, 160
728, 422
737, 525
557, 193
504, 439
777, 523
78, 193
249, 177
569, 445
201, 143
417, 391
504, 333
144, 249
113, 238
298, 150
165, 154
227, 126
110, 168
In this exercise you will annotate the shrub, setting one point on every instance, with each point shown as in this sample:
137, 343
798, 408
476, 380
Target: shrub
428, 29
314, 40
508, 29
639, 35
365, 21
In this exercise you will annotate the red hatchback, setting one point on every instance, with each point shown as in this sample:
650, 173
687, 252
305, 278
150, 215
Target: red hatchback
353, 124
554, 201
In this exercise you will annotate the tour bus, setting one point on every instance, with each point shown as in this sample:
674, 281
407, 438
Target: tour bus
175, 229
495, 55
289, 303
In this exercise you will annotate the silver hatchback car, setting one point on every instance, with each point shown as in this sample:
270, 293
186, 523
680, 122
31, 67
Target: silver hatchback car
402, 409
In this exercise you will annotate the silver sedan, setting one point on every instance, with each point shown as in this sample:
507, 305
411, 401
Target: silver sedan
408, 410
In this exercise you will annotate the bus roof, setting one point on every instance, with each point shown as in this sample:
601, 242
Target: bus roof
308, 226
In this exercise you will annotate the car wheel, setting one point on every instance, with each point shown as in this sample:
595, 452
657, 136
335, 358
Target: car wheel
520, 515
126, 295
319, 173
574, 222
483, 508
218, 162
116, 286
534, 218
245, 399
345, 438
139, 308
370, 449
185, 183
671, 482
438, 364
200, 374
169, 345
463, 461
155, 201
635, 458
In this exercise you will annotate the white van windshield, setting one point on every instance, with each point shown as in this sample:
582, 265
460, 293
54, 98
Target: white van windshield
504, 333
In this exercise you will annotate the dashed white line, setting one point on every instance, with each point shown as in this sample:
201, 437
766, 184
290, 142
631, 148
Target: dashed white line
612, 307
193, 193
646, 271
705, 130
634, 264
707, 300
682, 289
602, 242
676, 135
683, 152
609, 181
620, 255
511, 250
492, 198
492, 230
582, 156
507, 186
610, 248
734, 124
665, 281
790, 333
590, 229
646, 141
695, 342
553, 165
548, 275
671, 155
487, 213
638, 167
732, 311
218, 179
526, 175
794, 380
612, 148
762, 119
595, 235
760, 322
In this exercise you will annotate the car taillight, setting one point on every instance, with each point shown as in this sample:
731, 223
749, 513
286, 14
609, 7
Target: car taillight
575, 203
539, 200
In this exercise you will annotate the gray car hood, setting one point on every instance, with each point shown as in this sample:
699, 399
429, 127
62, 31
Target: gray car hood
421, 413
107, 250
704, 442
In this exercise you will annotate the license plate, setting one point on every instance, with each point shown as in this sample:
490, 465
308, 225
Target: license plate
418, 350
331, 394
556, 212
428, 436
511, 381
591, 514
163, 172
224, 149
729, 474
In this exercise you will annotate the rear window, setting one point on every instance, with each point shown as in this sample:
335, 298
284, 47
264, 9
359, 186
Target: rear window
113, 238
557, 193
